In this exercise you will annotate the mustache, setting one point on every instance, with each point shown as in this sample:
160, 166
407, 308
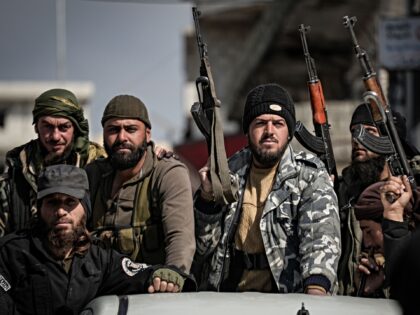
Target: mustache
122, 145
354, 151
52, 141
268, 137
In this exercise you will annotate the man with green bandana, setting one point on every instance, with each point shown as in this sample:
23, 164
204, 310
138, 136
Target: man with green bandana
62, 139
142, 206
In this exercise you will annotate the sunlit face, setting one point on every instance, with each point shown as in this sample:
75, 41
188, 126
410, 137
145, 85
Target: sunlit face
55, 134
359, 153
62, 214
125, 141
268, 137
372, 235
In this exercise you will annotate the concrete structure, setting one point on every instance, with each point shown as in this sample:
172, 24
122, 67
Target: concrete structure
16, 105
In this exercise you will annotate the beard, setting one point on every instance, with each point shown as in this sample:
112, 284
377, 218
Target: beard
265, 157
123, 161
365, 173
60, 242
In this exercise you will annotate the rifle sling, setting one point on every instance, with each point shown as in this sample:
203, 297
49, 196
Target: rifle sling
224, 191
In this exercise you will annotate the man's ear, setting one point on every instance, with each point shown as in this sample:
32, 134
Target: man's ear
148, 135
36, 128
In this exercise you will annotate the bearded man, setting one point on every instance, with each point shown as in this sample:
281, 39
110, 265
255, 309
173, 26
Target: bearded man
53, 268
366, 168
62, 139
142, 205
283, 235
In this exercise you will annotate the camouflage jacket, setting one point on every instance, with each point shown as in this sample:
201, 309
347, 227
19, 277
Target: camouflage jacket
18, 183
300, 225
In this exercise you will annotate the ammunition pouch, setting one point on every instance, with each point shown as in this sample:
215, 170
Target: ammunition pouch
144, 243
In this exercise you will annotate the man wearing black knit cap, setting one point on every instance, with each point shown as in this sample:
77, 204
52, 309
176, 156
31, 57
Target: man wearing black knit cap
54, 268
366, 168
62, 132
283, 235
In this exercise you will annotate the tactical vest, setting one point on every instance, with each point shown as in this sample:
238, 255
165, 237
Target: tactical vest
143, 240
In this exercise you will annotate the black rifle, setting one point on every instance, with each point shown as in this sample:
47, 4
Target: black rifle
389, 144
202, 111
320, 144
206, 115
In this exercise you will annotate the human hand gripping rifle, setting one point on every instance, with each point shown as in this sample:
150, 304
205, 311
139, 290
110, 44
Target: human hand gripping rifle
320, 143
388, 144
206, 115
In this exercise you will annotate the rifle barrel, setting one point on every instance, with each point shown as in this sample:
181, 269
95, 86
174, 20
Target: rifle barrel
310, 63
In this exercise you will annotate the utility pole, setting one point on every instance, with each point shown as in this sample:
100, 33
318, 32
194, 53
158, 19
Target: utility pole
60, 11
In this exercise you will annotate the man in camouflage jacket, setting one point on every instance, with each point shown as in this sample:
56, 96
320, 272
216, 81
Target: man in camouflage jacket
287, 239
62, 139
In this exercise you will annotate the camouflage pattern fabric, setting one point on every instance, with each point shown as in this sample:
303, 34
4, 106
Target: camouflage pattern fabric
300, 224
18, 184
63, 103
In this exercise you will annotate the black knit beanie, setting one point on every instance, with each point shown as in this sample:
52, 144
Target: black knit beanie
269, 98
362, 115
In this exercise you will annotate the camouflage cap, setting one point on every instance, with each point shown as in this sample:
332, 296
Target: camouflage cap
126, 106
63, 103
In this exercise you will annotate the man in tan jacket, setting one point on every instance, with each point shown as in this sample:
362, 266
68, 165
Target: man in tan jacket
142, 206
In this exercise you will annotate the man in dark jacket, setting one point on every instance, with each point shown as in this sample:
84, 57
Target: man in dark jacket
62, 139
53, 268
366, 168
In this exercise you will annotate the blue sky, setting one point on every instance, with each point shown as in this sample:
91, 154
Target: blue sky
122, 47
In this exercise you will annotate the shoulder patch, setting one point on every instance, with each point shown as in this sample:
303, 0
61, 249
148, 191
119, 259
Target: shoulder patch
4, 284
131, 268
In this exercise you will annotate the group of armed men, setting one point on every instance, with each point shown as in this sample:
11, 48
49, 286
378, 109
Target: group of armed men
78, 221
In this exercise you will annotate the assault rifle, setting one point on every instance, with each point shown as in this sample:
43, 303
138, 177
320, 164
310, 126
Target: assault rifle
206, 115
320, 143
202, 111
388, 144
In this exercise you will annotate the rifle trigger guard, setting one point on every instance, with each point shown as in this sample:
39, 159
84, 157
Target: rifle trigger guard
200, 83
204, 81
372, 96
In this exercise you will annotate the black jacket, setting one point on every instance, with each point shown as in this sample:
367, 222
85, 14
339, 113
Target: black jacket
32, 282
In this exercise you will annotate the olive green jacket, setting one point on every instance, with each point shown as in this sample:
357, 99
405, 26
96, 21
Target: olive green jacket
161, 230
